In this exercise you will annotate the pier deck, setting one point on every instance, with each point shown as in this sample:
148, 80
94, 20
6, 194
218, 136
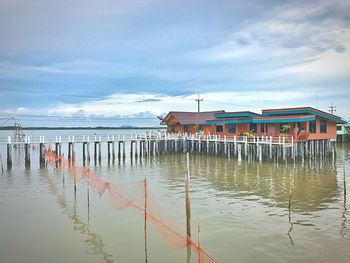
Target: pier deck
148, 144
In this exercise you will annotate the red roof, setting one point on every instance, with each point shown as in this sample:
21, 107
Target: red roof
184, 117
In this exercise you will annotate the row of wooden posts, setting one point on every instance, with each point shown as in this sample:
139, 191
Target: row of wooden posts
143, 147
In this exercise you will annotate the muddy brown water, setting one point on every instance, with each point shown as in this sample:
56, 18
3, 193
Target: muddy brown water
241, 207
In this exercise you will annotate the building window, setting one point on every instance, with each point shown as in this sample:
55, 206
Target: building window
231, 128
253, 127
200, 128
339, 128
262, 127
186, 128
312, 126
323, 126
219, 128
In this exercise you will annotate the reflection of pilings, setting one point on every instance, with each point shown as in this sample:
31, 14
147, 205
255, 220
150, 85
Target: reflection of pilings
343, 225
145, 221
94, 241
344, 182
291, 228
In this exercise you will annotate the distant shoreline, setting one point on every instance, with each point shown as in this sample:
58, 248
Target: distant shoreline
83, 128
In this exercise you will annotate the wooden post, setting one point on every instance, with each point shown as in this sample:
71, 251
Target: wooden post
124, 149
69, 151
84, 150
187, 193
95, 151
27, 155
9, 153
99, 151
145, 223
108, 150
113, 150
41, 155
9, 156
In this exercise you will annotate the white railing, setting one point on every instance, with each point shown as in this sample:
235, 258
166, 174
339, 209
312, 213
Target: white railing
152, 136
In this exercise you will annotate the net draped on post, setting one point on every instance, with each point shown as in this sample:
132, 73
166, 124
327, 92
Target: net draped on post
134, 195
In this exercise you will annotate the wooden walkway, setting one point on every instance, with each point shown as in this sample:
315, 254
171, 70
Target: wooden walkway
150, 144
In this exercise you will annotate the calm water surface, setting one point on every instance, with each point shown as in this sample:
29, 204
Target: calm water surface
242, 209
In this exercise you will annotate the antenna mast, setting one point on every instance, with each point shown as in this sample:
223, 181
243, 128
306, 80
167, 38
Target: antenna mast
199, 100
332, 108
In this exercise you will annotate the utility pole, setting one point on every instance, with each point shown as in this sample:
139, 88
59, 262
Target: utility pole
332, 108
199, 102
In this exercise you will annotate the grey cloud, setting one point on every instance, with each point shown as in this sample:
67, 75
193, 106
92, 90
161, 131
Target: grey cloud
148, 100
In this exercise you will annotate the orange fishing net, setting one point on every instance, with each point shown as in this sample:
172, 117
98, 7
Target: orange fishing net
135, 195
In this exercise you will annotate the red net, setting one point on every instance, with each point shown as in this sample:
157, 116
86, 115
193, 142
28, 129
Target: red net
135, 195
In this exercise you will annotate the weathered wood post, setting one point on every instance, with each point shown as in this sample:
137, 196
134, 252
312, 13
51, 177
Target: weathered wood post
108, 150
131, 148
84, 150
88, 148
41, 152
119, 149
187, 196
113, 150
95, 151
9, 153
27, 153
99, 150
123, 146
136, 154
69, 149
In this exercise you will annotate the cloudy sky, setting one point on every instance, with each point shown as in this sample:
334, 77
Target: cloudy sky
117, 62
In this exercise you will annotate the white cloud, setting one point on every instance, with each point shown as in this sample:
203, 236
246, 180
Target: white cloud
150, 105
290, 35
21, 109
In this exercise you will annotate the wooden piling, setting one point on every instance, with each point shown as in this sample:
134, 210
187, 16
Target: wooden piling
84, 151
27, 156
41, 155
109, 150
9, 156
99, 152
187, 195
69, 151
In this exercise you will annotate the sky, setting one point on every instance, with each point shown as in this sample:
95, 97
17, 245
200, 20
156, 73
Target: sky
116, 62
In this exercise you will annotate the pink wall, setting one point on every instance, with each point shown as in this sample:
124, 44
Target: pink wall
273, 129
331, 131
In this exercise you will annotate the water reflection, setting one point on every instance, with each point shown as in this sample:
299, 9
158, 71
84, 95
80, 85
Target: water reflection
95, 244
343, 225
315, 184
